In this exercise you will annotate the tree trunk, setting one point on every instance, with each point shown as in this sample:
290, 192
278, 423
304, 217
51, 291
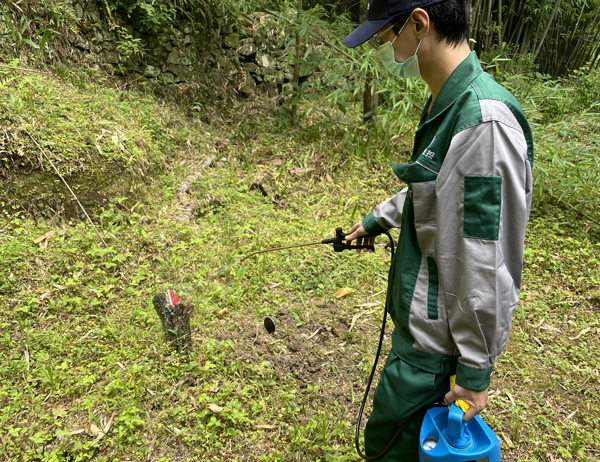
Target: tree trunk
297, 55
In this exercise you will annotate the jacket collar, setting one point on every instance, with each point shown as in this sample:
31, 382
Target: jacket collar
456, 84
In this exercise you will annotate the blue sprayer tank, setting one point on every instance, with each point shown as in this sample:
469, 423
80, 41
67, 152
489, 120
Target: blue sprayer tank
446, 438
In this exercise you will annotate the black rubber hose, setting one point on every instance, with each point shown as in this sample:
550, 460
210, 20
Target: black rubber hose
364, 401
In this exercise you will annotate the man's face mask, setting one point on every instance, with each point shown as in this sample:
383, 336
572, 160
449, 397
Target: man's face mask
405, 70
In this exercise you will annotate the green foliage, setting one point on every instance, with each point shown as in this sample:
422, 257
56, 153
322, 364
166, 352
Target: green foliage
156, 16
343, 71
559, 35
33, 24
129, 46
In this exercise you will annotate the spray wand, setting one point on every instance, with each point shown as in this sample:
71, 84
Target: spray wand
339, 245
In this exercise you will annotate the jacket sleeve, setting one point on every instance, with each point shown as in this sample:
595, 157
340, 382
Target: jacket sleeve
483, 201
386, 215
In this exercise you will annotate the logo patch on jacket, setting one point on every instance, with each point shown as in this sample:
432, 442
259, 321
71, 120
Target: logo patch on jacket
428, 152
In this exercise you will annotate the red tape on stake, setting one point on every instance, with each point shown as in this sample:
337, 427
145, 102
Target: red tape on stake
173, 299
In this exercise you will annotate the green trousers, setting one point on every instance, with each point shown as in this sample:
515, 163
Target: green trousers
402, 390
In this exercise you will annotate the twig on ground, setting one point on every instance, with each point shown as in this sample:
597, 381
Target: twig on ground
19, 69
355, 318
67, 185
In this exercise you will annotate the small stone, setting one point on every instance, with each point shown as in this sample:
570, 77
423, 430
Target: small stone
281, 63
176, 57
168, 77
151, 71
108, 68
248, 47
90, 58
246, 83
79, 11
231, 41
265, 60
111, 57
82, 44
251, 67
269, 89
180, 73
279, 77
593, 296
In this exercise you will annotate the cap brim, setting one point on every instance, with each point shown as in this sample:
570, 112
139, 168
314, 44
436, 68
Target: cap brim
364, 32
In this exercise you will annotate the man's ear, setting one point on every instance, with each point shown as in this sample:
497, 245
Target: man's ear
420, 23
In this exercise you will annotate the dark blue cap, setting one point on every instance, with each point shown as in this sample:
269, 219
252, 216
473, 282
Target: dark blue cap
379, 13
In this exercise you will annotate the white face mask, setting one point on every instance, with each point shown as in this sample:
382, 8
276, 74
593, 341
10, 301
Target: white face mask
407, 69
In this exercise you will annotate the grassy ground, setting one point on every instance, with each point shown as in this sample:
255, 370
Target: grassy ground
82, 349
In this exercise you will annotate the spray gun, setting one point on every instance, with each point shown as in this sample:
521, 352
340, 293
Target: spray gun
339, 241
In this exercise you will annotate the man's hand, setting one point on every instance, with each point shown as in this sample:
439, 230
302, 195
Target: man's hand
355, 233
477, 399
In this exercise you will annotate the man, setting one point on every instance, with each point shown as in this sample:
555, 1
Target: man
454, 282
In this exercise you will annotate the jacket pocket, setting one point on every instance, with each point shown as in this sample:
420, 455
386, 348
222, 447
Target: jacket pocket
432, 292
482, 204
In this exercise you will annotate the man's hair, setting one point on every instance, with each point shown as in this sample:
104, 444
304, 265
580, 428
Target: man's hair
452, 19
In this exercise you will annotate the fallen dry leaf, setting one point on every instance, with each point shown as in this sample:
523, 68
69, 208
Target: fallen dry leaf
216, 409
222, 312
329, 179
266, 427
584, 331
95, 431
48, 235
38, 261
508, 440
343, 292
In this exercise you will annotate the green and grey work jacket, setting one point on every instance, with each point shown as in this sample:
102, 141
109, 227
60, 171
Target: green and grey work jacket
455, 280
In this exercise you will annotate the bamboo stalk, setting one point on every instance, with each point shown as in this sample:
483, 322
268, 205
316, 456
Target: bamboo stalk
474, 10
517, 33
538, 23
545, 33
488, 22
297, 67
369, 99
500, 25
511, 19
